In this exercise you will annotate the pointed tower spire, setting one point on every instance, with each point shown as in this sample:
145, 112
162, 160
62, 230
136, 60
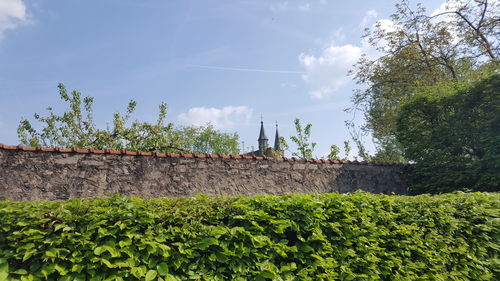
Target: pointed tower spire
262, 139
277, 147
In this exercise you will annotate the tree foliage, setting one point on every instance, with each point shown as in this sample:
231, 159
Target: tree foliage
418, 50
453, 138
305, 148
206, 139
76, 128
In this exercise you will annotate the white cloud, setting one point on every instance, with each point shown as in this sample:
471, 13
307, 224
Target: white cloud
327, 72
226, 117
387, 25
12, 14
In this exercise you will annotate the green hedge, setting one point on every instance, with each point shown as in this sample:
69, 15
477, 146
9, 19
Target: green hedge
358, 236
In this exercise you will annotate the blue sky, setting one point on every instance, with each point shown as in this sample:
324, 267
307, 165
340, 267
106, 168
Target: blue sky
224, 62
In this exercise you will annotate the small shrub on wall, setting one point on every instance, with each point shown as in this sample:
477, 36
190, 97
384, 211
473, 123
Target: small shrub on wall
359, 236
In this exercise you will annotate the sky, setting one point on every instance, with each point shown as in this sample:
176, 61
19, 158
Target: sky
227, 62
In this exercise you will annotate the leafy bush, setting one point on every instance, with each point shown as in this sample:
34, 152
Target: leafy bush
453, 138
359, 236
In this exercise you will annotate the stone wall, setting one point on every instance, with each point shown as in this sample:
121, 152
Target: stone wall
57, 174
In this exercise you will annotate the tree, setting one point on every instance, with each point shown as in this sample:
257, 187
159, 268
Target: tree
452, 138
419, 51
76, 128
301, 140
477, 24
205, 139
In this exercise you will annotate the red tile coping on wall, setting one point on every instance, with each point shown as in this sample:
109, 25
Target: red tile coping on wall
183, 155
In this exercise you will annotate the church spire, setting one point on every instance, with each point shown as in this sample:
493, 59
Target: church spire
262, 135
262, 139
277, 147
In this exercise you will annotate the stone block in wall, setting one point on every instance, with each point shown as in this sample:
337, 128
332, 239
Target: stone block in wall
30, 175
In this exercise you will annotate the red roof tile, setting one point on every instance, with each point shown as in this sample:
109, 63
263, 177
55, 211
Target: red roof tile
174, 155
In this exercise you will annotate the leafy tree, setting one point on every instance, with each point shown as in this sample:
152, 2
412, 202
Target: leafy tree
452, 138
76, 128
420, 51
476, 24
304, 146
206, 139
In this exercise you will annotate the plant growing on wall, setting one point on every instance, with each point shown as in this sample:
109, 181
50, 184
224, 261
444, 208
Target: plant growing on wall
305, 148
335, 152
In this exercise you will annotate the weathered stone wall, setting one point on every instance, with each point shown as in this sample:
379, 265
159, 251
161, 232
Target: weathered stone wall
42, 175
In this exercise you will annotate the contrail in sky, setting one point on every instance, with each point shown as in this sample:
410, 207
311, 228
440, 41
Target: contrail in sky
245, 69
